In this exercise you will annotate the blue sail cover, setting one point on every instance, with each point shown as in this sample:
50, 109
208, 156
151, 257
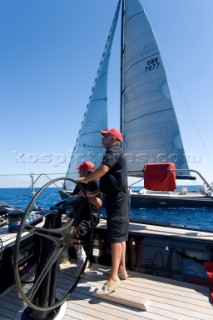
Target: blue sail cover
148, 120
88, 144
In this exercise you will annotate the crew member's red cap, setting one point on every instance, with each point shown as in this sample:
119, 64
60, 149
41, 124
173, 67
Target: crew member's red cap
116, 133
86, 165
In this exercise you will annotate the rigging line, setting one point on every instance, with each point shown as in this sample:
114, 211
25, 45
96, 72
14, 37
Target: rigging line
25, 191
42, 174
28, 174
148, 114
50, 179
132, 184
29, 188
14, 174
193, 121
60, 188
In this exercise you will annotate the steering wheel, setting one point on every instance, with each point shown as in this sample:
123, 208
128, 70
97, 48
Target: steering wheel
56, 242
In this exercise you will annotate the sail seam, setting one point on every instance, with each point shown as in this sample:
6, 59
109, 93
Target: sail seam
141, 12
101, 76
148, 114
105, 99
89, 146
83, 134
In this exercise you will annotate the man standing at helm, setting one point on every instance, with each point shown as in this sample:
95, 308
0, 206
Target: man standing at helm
113, 184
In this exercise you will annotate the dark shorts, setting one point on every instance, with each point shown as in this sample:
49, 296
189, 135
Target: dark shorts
84, 224
118, 211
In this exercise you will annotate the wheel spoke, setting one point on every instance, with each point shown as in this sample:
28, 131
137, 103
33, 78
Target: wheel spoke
58, 236
53, 241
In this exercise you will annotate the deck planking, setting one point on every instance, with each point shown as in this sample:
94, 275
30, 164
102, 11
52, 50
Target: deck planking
135, 229
167, 299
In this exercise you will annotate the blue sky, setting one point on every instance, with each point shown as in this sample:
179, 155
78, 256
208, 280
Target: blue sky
50, 52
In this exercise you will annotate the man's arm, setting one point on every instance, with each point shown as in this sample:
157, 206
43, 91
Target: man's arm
98, 173
92, 197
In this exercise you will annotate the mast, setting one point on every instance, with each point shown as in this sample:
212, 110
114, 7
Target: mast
121, 65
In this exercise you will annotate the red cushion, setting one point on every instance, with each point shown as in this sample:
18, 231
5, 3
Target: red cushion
158, 177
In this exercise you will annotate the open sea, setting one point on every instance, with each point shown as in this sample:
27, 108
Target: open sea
190, 218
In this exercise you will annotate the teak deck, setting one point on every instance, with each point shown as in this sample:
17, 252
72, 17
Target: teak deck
164, 299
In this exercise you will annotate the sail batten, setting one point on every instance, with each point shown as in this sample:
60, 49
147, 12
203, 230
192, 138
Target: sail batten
147, 114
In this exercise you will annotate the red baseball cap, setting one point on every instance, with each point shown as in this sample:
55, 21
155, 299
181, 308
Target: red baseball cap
116, 133
86, 165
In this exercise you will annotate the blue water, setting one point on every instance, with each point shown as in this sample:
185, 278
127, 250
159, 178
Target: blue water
20, 197
190, 218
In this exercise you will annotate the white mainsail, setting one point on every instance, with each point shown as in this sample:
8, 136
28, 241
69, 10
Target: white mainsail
148, 120
88, 144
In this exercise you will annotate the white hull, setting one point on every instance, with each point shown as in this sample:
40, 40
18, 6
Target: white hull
170, 200
163, 200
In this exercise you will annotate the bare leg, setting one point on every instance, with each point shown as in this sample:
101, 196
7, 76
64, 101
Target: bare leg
122, 265
116, 255
76, 240
77, 246
79, 250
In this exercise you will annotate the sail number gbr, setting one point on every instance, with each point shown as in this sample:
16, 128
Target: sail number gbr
152, 64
